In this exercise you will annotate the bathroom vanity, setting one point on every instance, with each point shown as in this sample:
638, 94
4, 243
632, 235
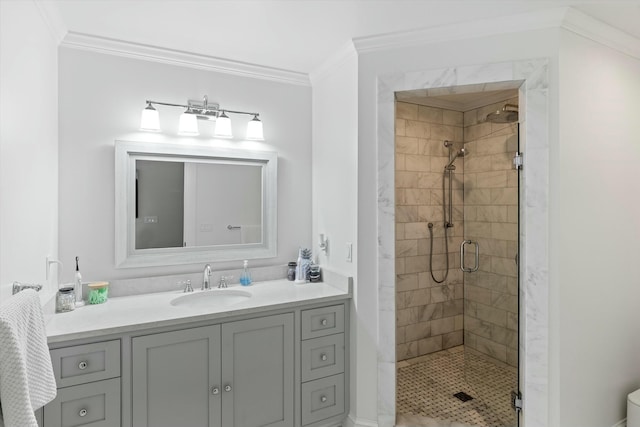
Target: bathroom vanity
276, 358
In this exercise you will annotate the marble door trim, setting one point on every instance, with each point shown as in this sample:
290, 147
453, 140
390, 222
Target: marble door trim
532, 78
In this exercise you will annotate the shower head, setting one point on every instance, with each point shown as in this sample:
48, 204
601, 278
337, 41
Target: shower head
461, 153
508, 114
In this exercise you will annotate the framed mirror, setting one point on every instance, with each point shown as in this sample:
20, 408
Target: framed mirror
185, 204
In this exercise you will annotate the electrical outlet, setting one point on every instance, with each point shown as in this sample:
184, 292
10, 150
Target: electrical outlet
349, 256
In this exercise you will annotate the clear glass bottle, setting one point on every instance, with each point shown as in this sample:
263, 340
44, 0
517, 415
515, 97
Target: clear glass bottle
291, 271
65, 300
245, 277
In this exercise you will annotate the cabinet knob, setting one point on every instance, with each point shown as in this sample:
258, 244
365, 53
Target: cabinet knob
227, 388
83, 365
83, 412
215, 390
323, 356
323, 399
323, 322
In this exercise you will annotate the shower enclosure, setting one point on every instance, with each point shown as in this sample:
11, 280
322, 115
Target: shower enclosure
456, 259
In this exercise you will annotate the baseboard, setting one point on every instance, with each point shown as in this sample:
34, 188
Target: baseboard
352, 421
621, 423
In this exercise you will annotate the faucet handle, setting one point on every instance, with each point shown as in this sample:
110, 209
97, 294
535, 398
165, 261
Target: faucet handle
223, 281
187, 286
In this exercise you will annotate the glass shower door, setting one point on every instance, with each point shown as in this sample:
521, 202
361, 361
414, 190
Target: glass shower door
489, 262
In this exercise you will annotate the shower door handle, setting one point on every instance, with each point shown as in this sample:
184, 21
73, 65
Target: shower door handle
477, 256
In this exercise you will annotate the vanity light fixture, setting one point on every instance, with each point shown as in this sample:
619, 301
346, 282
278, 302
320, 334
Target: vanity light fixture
223, 126
188, 125
194, 111
254, 129
150, 121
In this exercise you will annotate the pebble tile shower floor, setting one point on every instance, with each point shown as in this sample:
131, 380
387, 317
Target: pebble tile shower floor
427, 384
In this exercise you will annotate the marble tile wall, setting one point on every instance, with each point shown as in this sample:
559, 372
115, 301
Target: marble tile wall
491, 219
429, 315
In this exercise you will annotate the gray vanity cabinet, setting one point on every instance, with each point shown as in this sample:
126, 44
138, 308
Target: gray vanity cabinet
173, 377
238, 374
257, 372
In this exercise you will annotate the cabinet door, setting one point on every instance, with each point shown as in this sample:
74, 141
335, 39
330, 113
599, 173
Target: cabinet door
173, 377
257, 372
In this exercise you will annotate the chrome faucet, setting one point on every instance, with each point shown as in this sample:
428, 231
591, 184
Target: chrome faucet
17, 287
206, 279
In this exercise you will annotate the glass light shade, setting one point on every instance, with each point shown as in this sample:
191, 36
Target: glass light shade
188, 125
223, 127
254, 129
150, 119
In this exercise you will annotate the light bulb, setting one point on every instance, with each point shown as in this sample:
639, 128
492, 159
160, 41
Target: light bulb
254, 129
188, 125
223, 126
150, 119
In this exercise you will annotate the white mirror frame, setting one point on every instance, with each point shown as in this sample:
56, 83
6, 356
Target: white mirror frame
129, 257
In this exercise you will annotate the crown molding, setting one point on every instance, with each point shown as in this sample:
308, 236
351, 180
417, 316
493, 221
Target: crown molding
541, 19
587, 26
52, 19
567, 18
335, 61
123, 48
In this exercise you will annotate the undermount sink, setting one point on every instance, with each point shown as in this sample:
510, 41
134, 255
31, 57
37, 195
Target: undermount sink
211, 298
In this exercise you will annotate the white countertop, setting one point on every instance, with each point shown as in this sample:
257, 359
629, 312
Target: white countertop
131, 313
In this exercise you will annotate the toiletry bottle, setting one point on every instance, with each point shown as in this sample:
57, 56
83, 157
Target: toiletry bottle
245, 277
301, 275
77, 284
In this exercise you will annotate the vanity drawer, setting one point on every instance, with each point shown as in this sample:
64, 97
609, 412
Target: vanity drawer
96, 404
86, 363
319, 322
322, 399
322, 357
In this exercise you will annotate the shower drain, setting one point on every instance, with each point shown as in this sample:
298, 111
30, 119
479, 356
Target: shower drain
463, 396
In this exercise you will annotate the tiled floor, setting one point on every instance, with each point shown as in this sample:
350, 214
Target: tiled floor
426, 386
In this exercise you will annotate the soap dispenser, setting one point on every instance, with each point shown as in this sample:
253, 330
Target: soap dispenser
245, 277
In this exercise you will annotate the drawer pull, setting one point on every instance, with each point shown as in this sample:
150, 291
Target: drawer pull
323, 322
83, 412
323, 356
323, 399
227, 388
83, 365
215, 390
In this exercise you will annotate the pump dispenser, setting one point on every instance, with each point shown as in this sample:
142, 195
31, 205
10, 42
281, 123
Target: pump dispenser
245, 277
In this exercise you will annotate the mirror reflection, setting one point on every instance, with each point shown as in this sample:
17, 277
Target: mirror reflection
196, 203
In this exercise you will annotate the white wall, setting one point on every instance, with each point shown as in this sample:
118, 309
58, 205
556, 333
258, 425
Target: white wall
595, 234
334, 185
101, 97
28, 144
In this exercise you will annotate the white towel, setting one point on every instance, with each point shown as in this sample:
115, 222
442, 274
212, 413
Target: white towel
26, 373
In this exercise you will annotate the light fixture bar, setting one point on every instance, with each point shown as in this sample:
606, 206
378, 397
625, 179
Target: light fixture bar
202, 110
194, 105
